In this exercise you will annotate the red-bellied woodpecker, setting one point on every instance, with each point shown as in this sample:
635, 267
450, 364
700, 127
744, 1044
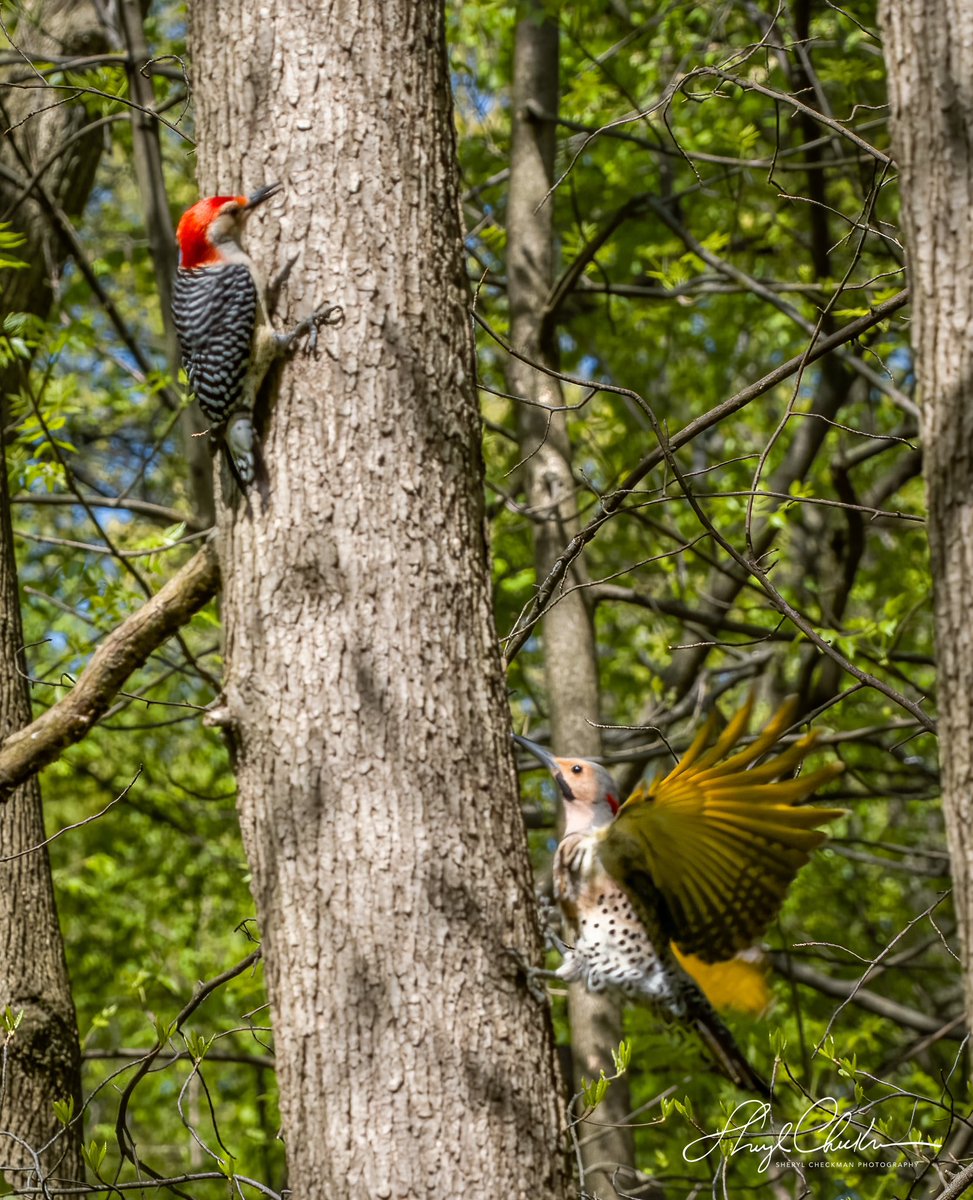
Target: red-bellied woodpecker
220, 311
697, 862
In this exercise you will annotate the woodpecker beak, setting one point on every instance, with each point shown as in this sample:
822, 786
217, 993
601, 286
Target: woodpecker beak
549, 761
262, 194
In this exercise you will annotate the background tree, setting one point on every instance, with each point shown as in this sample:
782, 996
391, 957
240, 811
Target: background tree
570, 652
932, 118
47, 167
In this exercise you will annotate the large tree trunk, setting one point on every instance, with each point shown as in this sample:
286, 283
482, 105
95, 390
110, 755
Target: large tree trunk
929, 50
570, 657
377, 794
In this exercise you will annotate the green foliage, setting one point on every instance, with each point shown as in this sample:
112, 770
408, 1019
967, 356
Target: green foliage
653, 313
94, 1155
594, 1091
11, 1019
17, 330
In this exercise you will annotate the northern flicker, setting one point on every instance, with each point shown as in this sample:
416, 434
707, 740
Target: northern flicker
699, 860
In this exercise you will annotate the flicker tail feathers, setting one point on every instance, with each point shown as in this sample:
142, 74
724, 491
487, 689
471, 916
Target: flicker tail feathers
726, 1054
719, 840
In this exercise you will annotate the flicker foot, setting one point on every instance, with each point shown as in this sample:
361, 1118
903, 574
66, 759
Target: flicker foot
556, 942
549, 919
532, 976
535, 978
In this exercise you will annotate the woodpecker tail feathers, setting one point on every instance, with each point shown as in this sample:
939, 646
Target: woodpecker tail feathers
240, 443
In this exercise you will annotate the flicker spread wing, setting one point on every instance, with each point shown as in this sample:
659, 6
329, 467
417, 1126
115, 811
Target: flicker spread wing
718, 841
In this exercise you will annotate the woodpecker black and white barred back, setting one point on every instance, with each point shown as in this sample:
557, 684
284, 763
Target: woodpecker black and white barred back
220, 313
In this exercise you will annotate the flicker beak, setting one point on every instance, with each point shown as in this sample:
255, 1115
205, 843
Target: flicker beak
262, 194
549, 761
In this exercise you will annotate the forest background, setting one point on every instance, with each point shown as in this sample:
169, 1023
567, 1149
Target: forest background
688, 216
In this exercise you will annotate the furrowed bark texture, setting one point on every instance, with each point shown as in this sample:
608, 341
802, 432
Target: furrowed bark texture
570, 654
377, 794
929, 49
42, 1058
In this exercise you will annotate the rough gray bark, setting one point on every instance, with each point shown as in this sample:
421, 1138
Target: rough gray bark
570, 657
377, 794
929, 49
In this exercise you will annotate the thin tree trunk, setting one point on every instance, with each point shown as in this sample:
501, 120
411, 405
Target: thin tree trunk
147, 153
929, 51
37, 129
377, 794
570, 657
42, 1059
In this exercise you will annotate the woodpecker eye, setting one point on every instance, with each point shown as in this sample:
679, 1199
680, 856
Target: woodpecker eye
577, 769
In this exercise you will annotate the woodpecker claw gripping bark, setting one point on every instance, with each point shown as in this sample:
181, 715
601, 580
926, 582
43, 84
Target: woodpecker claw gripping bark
327, 314
220, 309
663, 895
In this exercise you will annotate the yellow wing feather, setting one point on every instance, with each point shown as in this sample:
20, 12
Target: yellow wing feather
718, 839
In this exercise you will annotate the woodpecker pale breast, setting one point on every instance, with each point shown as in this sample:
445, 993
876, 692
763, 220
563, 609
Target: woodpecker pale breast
215, 311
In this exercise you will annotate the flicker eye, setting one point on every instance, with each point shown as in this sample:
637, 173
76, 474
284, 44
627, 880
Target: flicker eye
576, 769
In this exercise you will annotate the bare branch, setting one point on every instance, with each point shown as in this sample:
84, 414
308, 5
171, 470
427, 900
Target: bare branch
156, 512
612, 503
126, 648
125, 1143
846, 990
